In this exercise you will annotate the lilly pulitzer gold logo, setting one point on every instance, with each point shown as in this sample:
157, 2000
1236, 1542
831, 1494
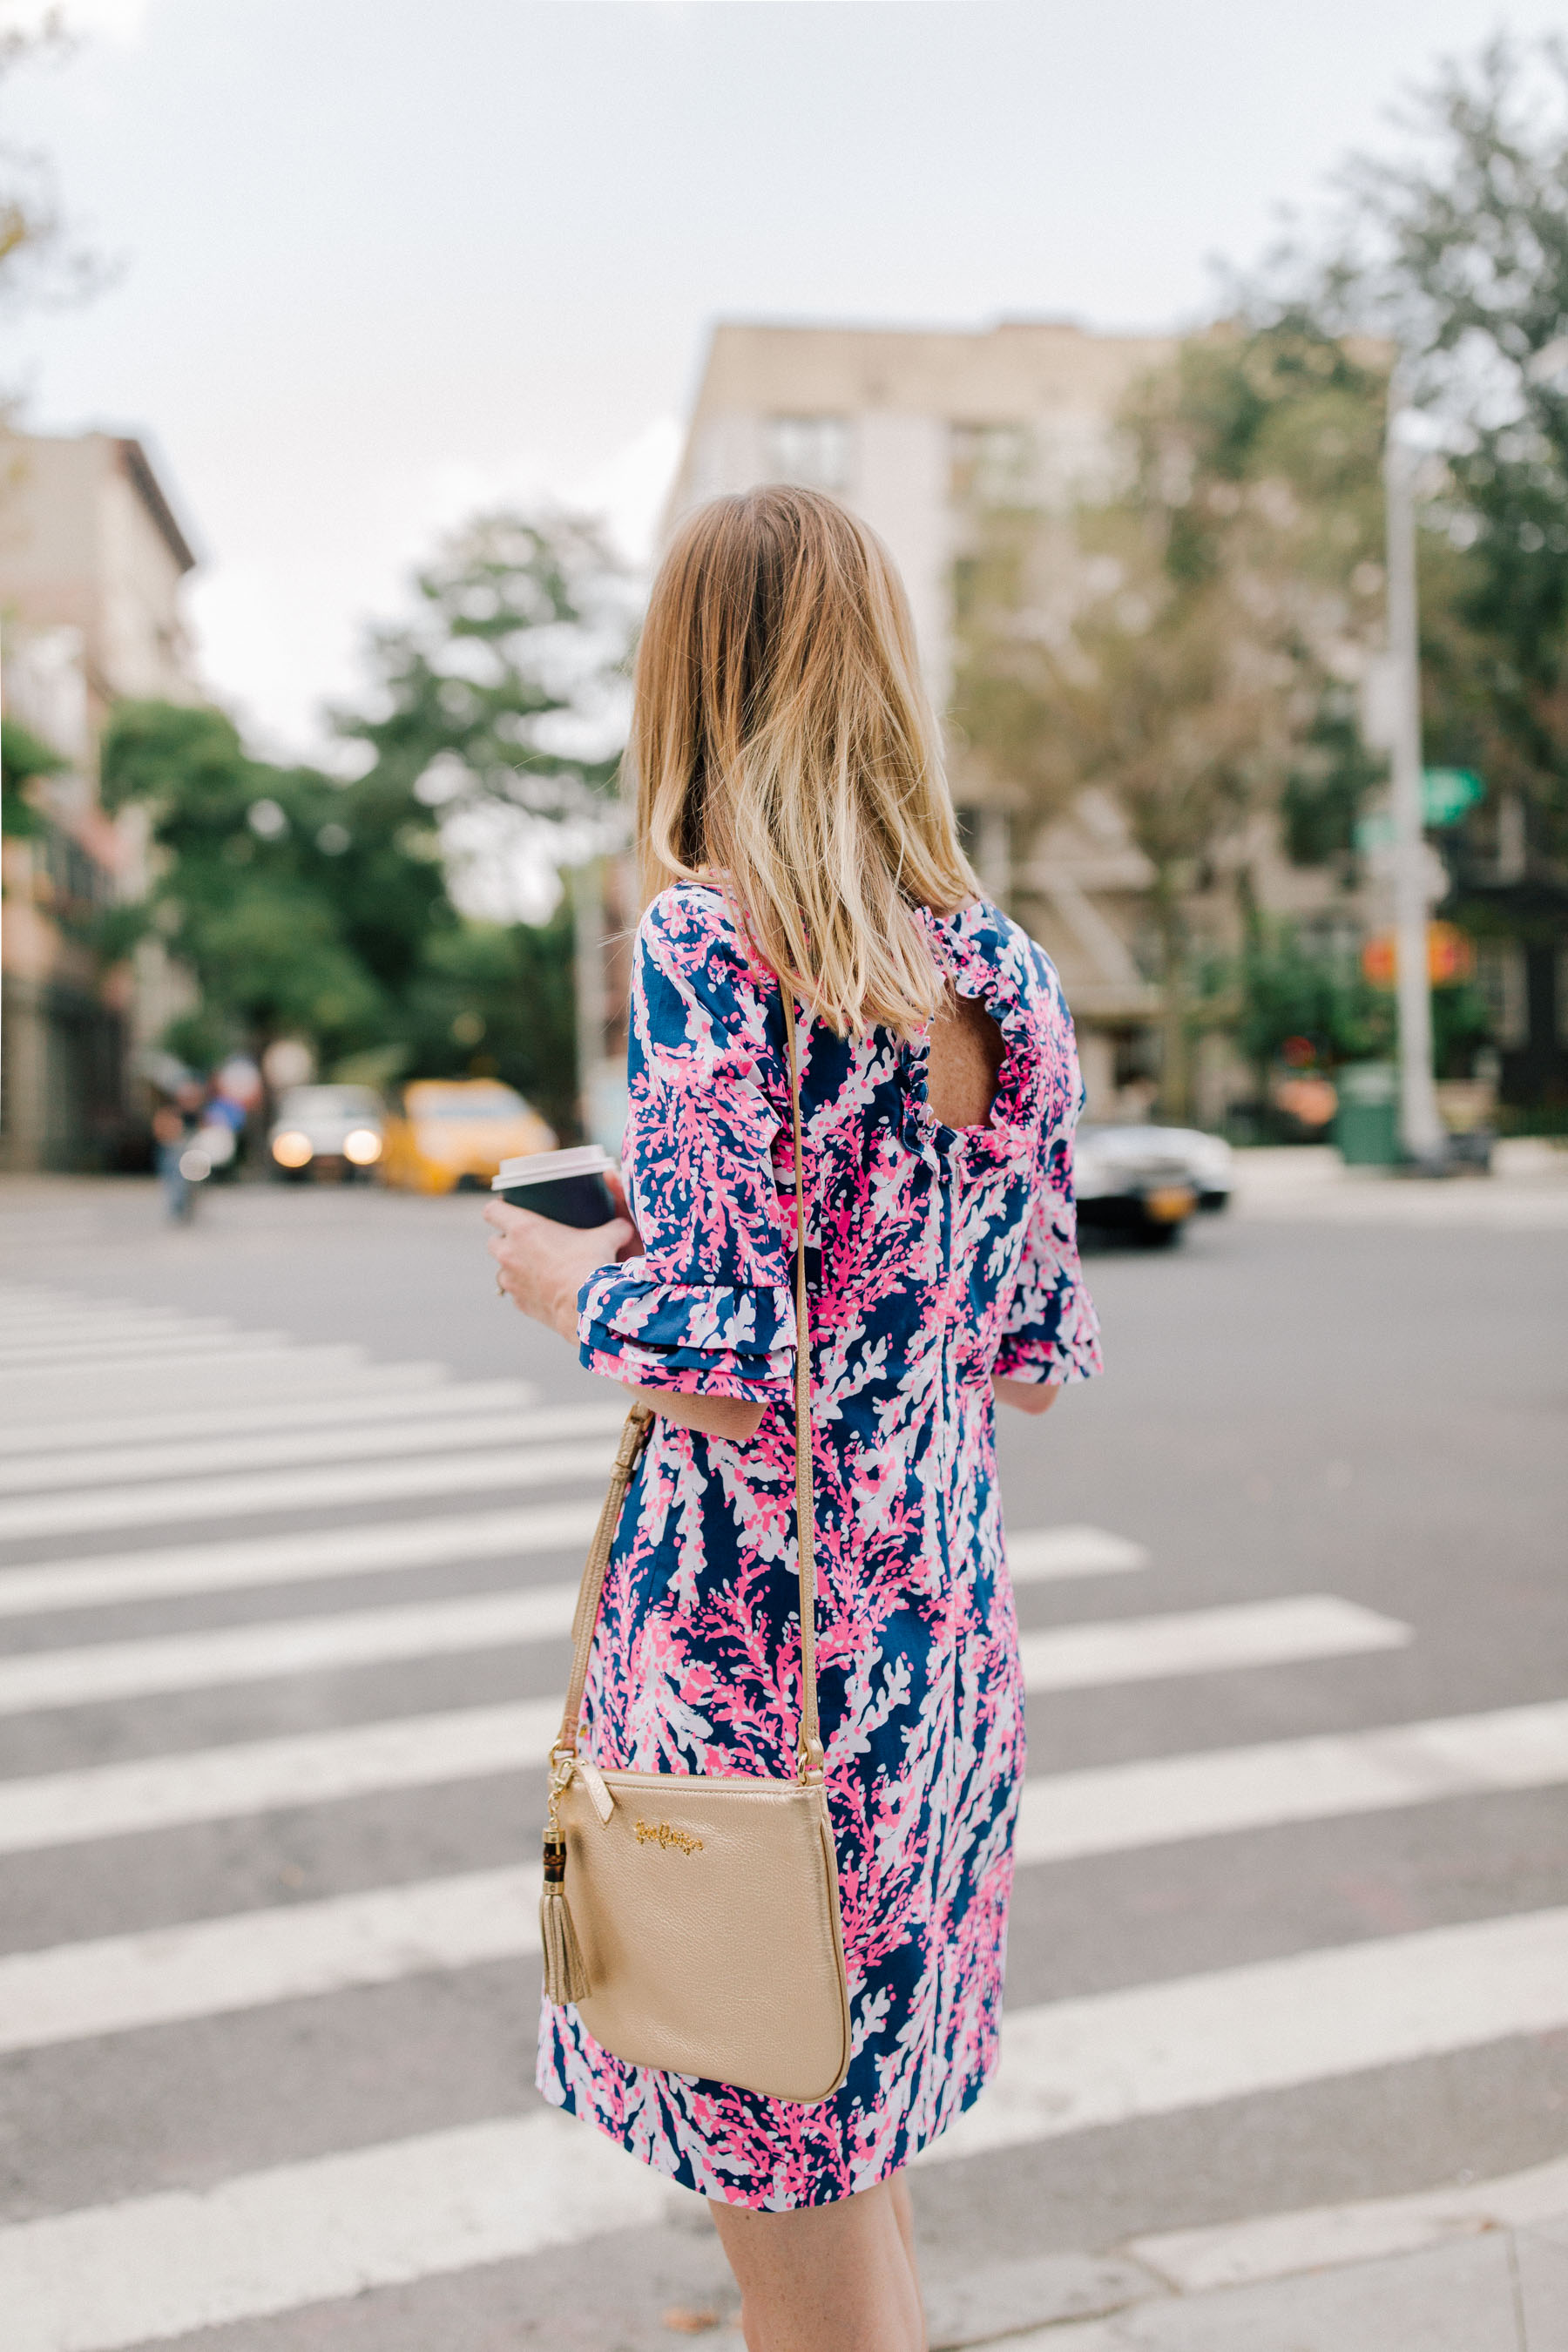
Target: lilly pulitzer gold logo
665, 1833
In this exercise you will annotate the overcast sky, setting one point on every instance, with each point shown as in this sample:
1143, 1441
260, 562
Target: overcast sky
385, 260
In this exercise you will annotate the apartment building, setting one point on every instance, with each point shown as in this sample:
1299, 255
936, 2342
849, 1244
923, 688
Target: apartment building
91, 561
920, 431
913, 428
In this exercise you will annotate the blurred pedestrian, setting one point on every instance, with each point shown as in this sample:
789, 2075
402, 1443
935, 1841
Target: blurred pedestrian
806, 888
181, 1166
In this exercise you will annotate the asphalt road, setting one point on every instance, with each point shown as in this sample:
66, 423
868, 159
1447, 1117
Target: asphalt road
1368, 1410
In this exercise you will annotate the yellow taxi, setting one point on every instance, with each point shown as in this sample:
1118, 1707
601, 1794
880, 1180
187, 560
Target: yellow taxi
454, 1133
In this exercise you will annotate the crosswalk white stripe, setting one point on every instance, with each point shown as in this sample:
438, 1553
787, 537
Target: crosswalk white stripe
94, 1466
1073, 1657
212, 1968
202, 1968
45, 1389
313, 1768
105, 2278
1113, 1808
194, 1340
385, 1397
1063, 1815
1273, 2025
244, 1560
289, 1645
111, 2277
1038, 1555
24, 1331
1205, 1641
115, 1577
235, 1495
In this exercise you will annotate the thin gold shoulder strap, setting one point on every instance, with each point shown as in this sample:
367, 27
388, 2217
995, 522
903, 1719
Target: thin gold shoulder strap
635, 1436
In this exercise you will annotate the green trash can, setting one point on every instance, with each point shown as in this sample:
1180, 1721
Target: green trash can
1366, 1124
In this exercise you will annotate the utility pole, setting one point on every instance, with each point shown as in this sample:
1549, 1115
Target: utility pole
1420, 1125
589, 972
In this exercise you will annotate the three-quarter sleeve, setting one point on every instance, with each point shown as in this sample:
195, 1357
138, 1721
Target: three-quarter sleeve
708, 1309
1050, 1331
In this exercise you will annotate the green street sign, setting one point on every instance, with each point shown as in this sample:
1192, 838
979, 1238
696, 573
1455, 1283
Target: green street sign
1448, 792
1445, 795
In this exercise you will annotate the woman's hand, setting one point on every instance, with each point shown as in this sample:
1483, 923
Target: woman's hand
1029, 1396
544, 1266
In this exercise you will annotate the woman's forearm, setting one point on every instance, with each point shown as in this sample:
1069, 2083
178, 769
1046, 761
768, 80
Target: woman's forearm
732, 1417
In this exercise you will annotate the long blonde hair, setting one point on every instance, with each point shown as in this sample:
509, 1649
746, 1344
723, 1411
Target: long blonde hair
781, 744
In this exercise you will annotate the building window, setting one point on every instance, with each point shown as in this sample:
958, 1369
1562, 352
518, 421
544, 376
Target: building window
813, 451
1502, 980
991, 465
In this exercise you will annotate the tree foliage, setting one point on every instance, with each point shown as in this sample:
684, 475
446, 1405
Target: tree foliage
501, 703
1186, 642
1457, 249
39, 258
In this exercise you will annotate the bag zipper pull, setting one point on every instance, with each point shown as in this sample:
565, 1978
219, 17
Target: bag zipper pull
594, 1780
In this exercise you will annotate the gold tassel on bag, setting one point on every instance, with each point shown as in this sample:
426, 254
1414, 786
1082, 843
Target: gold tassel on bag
565, 1977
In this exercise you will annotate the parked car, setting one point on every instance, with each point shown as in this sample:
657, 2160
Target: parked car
332, 1131
452, 1134
1148, 1180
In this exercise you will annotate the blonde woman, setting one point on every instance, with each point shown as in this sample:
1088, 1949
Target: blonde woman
795, 833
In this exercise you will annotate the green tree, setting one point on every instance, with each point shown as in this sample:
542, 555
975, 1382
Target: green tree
297, 903
1458, 250
1184, 643
502, 702
497, 999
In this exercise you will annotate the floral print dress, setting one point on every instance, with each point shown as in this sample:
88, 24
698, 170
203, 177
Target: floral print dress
935, 1258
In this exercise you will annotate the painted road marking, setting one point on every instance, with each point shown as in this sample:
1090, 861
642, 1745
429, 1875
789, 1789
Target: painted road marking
103, 1579
223, 1498
290, 1646
212, 1968
1192, 2042
193, 1340
293, 1558
271, 1954
1205, 1641
313, 1768
391, 1394
100, 1465
1115, 1807
109, 2277
99, 2280
47, 1390
1073, 1657
1038, 1555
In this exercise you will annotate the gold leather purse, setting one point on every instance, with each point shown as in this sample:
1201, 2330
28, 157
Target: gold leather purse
703, 1936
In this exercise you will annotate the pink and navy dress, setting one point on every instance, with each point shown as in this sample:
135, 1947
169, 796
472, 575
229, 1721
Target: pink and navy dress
935, 1258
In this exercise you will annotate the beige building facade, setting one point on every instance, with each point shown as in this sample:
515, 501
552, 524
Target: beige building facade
91, 562
920, 431
915, 429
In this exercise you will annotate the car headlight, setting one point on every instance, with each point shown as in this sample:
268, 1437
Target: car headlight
292, 1149
362, 1146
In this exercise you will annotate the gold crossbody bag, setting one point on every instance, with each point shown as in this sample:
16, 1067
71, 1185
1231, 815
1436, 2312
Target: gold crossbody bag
703, 1936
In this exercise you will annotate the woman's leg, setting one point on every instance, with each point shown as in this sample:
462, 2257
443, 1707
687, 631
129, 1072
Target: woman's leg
904, 2209
825, 2278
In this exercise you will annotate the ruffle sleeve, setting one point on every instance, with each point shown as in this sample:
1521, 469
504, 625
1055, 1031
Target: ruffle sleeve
707, 1310
1050, 1330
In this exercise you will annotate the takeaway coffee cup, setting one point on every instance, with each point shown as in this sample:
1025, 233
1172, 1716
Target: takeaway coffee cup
568, 1186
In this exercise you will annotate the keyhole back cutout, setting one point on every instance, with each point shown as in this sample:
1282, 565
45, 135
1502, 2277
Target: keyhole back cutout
966, 1049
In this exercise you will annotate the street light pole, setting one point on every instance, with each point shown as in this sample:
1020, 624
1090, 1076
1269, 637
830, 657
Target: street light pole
1420, 1125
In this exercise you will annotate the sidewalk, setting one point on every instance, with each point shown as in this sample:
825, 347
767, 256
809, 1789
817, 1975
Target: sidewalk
1477, 2268
1526, 1191
1482, 2269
